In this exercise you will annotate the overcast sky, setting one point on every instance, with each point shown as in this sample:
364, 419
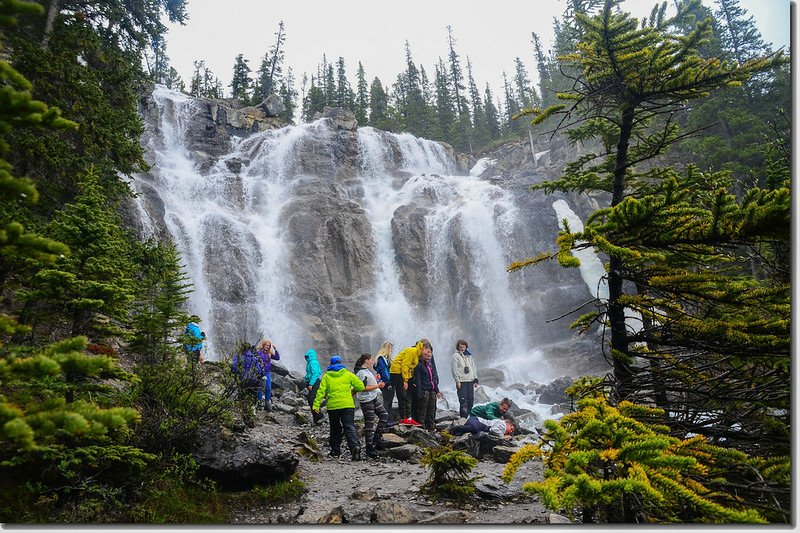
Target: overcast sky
492, 34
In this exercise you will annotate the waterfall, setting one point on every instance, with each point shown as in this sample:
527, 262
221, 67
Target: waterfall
424, 254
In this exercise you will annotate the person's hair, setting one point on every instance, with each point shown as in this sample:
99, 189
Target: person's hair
194, 318
459, 342
361, 359
271, 347
512, 424
386, 351
506, 401
426, 344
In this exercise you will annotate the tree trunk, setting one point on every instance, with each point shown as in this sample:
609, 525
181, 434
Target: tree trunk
52, 12
616, 311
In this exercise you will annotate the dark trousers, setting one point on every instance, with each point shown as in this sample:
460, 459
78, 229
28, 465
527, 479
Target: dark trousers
388, 398
466, 398
372, 409
427, 409
472, 425
403, 400
343, 421
312, 395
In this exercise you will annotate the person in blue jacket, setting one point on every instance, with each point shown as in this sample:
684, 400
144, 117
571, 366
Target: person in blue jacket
383, 359
194, 340
312, 379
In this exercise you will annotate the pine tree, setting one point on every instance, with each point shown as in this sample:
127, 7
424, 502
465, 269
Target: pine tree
271, 68
445, 107
362, 96
93, 285
314, 102
492, 115
288, 97
525, 95
511, 108
618, 464
241, 81
620, 96
330, 87
456, 76
480, 127
343, 91
379, 116
157, 60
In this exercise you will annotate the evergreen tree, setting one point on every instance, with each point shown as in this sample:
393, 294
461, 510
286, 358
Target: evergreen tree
624, 98
344, 93
511, 108
525, 94
92, 287
545, 67
157, 60
411, 104
362, 96
241, 81
330, 87
445, 107
315, 101
271, 68
379, 115
456, 76
288, 96
480, 127
492, 115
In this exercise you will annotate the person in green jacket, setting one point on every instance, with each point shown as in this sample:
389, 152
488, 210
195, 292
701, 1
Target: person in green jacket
337, 385
492, 410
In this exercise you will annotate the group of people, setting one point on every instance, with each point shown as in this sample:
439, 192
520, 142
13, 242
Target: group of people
411, 376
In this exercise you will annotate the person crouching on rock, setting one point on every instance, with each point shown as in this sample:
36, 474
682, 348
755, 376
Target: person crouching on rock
370, 404
474, 424
337, 385
312, 379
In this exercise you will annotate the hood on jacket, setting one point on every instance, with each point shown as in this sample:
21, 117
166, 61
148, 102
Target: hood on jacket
311, 354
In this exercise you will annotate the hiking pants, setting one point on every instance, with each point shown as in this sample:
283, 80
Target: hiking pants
403, 400
265, 392
472, 425
466, 398
388, 397
312, 395
427, 409
343, 420
371, 409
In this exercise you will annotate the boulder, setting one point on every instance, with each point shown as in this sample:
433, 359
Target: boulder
272, 106
447, 517
491, 377
343, 119
553, 392
389, 512
239, 461
406, 452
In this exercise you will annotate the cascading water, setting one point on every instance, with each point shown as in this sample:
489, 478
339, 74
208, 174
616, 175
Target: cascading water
429, 258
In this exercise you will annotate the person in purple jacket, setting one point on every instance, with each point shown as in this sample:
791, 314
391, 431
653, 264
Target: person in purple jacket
267, 352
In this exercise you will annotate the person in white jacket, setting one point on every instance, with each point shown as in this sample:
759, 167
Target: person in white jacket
465, 375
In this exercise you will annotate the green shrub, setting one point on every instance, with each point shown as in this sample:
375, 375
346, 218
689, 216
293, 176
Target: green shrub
449, 473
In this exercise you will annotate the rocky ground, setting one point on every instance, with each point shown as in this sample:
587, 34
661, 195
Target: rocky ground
386, 490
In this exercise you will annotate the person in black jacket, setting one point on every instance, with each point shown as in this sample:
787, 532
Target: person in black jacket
426, 381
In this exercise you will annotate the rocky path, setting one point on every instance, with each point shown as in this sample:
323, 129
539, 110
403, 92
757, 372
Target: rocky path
386, 491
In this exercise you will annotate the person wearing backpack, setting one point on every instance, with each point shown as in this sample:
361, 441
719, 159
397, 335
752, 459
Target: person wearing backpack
248, 368
338, 385
195, 339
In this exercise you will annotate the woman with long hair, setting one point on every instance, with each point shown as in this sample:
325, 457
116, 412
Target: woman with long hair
383, 360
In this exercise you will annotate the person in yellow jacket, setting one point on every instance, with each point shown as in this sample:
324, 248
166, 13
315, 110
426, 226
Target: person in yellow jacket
400, 373
337, 385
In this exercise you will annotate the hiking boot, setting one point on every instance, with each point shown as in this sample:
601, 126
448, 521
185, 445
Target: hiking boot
355, 455
334, 455
371, 452
268, 407
413, 422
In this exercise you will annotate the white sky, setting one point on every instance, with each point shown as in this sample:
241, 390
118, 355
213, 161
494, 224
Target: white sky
359, 30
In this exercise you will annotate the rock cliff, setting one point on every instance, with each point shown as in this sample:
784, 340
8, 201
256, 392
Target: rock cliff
292, 233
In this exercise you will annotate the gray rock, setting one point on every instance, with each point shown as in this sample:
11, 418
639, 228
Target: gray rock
491, 377
389, 512
364, 495
406, 452
342, 119
558, 519
553, 392
447, 517
242, 460
272, 106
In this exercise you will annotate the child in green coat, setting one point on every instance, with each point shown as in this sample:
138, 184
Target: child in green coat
337, 385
